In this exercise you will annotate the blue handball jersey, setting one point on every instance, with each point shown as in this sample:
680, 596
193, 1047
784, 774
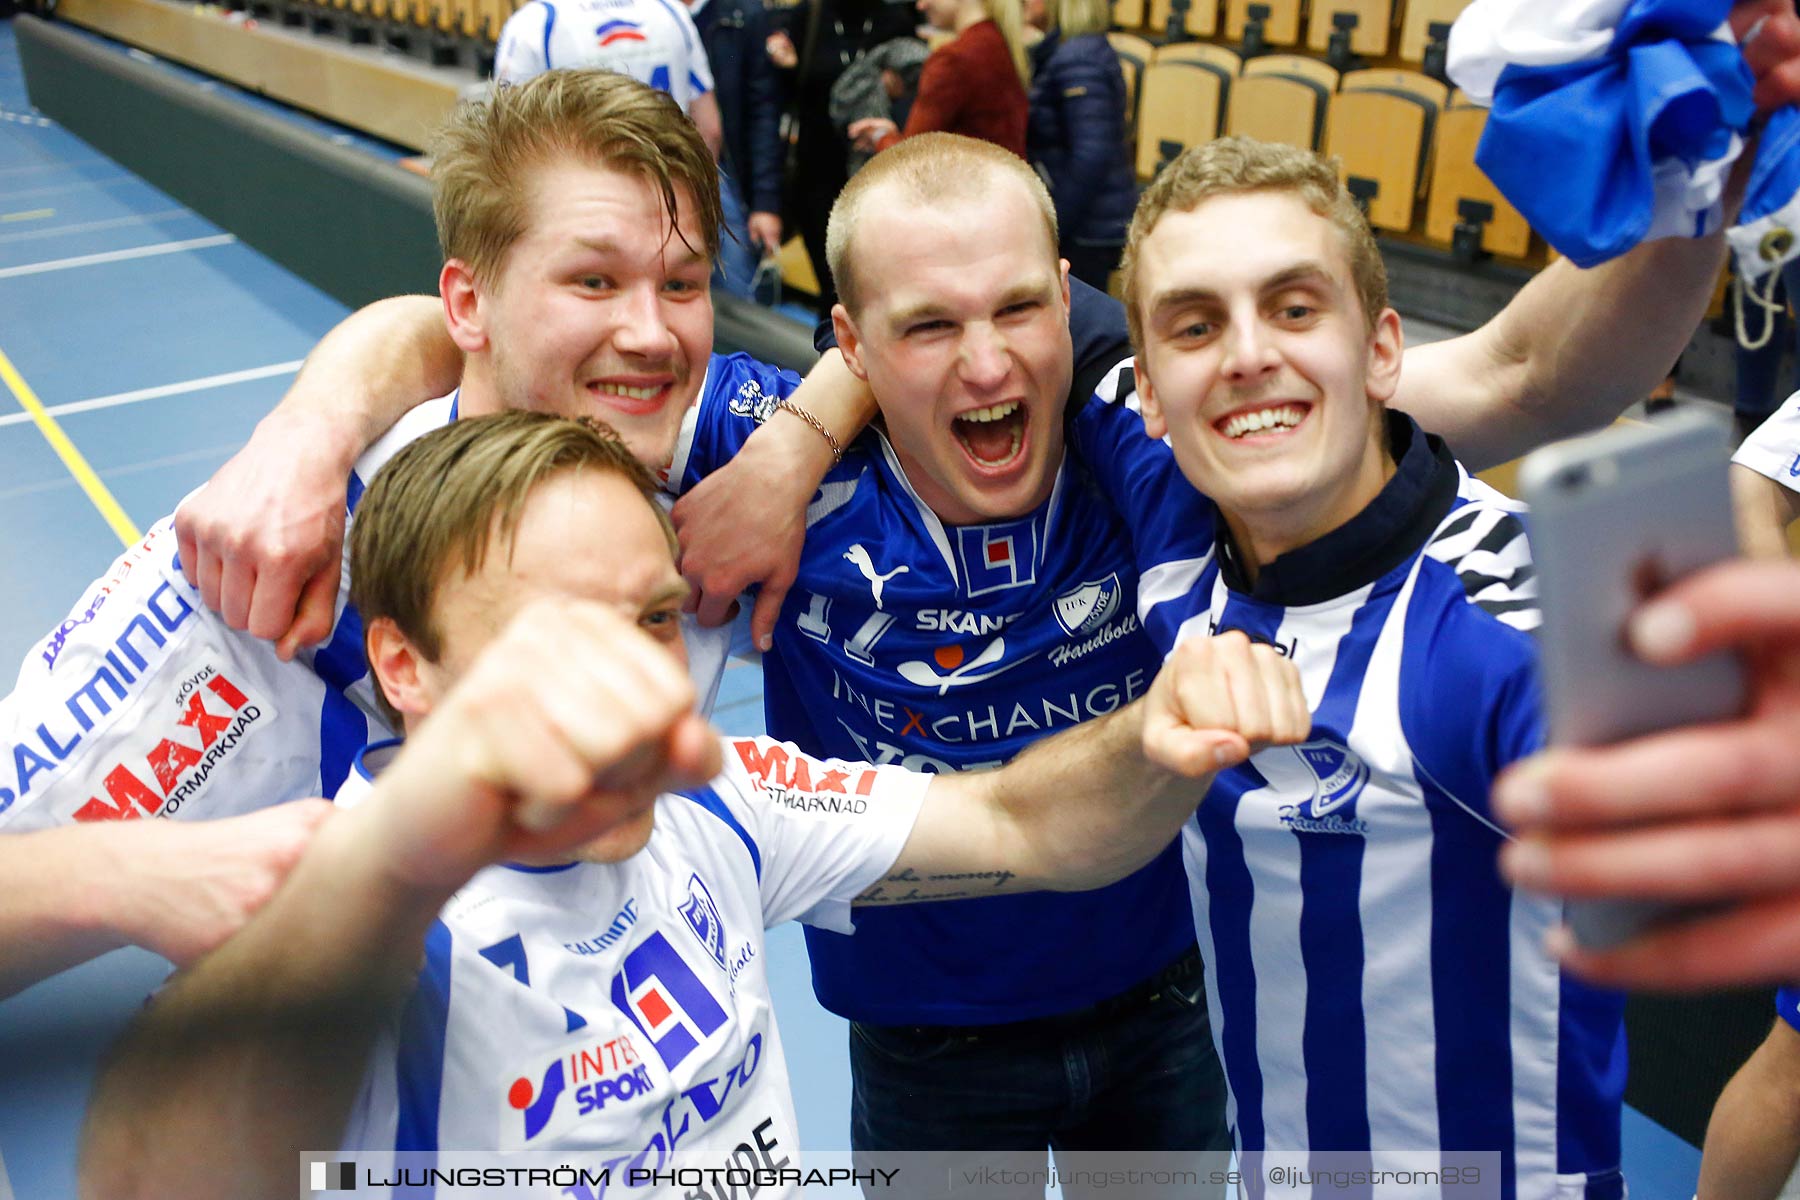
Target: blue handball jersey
1373, 983
939, 648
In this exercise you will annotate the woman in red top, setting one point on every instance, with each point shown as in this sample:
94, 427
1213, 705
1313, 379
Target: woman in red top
973, 84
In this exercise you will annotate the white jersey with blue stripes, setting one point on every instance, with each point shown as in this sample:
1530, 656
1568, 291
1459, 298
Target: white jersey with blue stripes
1373, 984
622, 1010
1773, 448
653, 41
144, 703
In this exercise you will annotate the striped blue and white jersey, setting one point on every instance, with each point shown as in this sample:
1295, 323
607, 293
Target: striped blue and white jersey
143, 702
1787, 1006
622, 1009
653, 41
1372, 981
938, 647
1773, 448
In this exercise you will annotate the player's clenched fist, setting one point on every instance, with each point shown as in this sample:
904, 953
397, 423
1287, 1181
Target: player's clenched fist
557, 738
1219, 700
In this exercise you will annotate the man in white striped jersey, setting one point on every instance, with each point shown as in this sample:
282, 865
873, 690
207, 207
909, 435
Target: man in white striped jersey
1375, 984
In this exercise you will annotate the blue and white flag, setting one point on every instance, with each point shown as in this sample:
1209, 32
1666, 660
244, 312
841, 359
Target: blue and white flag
1613, 121
1767, 234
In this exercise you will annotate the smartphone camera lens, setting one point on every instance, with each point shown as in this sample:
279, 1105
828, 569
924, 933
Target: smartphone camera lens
1572, 479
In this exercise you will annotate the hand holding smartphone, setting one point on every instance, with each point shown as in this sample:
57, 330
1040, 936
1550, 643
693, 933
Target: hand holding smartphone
1616, 516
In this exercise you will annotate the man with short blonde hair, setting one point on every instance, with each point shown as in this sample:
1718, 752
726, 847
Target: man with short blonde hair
924, 170
1231, 165
484, 156
1346, 891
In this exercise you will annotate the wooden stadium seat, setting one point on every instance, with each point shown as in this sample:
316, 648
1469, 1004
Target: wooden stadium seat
498, 12
1128, 14
1321, 73
1282, 28
1455, 178
1180, 105
1140, 48
1416, 22
1374, 25
1201, 20
1203, 54
1423, 86
1134, 54
1275, 107
1382, 138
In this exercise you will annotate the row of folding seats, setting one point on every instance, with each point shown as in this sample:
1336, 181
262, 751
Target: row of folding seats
1375, 26
1402, 138
472, 20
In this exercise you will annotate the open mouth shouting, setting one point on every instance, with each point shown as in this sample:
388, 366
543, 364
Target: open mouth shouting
1262, 422
993, 437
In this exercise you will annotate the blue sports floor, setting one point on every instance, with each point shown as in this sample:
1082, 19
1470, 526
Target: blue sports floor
153, 342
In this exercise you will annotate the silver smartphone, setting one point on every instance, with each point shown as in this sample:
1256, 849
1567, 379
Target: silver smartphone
1615, 517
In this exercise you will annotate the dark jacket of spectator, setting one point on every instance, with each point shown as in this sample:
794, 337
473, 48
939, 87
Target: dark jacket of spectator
828, 35
1078, 137
749, 93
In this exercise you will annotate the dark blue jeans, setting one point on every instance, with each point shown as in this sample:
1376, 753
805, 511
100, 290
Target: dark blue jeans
1135, 1072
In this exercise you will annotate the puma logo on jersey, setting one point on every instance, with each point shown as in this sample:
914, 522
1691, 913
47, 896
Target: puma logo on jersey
860, 557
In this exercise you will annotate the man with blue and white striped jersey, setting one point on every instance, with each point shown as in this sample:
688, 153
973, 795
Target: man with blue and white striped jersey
653, 41
1375, 985
597, 988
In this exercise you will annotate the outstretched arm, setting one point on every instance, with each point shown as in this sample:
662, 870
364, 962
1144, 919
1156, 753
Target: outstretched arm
262, 541
1763, 510
179, 888
569, 724
745, 523
1091, 805
1753, 1137
1575, 348
1572, 351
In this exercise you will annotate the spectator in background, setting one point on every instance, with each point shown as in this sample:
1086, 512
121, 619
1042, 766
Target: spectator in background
734, 33
1077, 135
819, 42
882, 83
973, 84
653, 42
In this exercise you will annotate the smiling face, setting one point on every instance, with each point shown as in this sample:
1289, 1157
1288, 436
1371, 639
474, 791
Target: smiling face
598, 309
963, 335
1258, 363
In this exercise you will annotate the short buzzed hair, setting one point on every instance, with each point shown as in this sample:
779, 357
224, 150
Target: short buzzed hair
486, 153
435, 505
1234, 165
926, 169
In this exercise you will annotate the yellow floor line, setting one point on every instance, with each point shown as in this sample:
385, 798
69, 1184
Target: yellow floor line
35, 214
71, 457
